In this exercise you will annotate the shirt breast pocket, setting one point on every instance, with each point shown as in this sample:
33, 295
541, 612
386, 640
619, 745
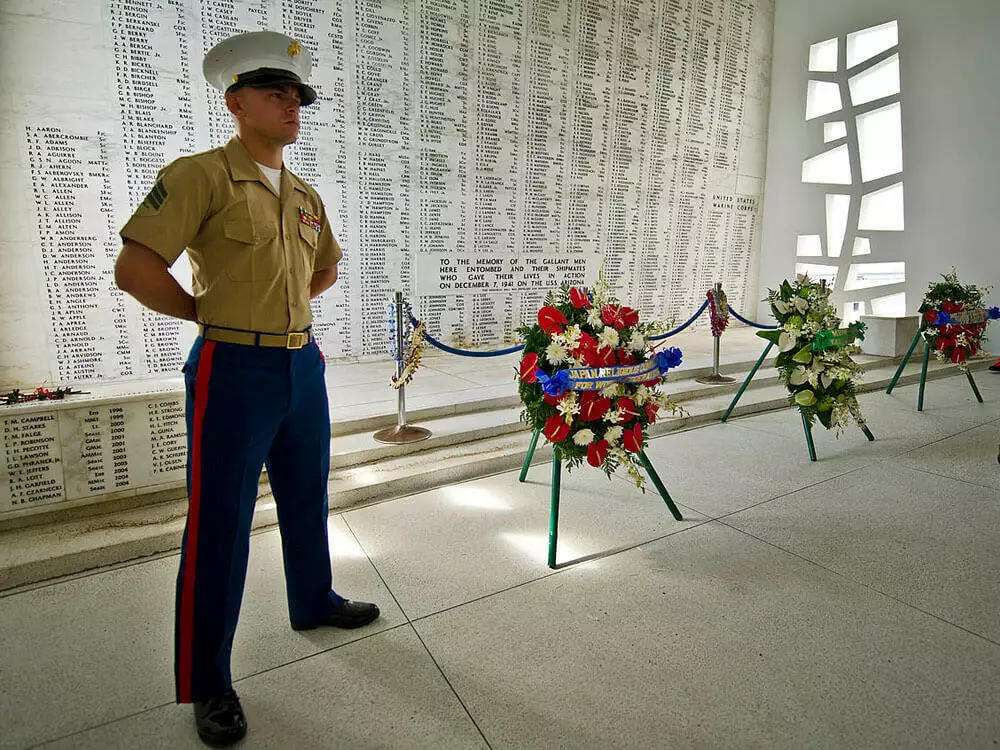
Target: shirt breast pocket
310, 237
247, 245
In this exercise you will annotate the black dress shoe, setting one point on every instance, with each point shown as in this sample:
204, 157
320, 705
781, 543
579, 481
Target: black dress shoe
350, 615
220, 720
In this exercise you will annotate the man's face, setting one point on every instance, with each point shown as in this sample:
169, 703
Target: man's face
271, 111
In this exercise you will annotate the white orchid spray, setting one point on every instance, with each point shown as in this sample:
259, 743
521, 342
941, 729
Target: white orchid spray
815, 359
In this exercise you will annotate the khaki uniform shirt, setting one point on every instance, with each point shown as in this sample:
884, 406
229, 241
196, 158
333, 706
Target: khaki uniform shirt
252, 252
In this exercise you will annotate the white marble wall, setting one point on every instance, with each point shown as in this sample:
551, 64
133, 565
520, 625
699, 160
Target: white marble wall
90, 447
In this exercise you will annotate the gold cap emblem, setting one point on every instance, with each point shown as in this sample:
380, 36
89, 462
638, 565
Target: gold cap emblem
236, 78
294, 49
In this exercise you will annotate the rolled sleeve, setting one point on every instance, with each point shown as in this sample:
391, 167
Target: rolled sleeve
328, 252
172, 214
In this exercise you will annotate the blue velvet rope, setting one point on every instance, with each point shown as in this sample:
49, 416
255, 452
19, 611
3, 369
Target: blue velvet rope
465, 352
750, 322
681, 327
503, 352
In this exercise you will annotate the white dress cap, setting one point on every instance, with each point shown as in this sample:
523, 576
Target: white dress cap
259, 58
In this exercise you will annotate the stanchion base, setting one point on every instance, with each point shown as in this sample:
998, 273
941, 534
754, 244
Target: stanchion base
715, 379
408, 433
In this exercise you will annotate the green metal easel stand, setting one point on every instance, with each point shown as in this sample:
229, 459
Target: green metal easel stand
746, 382
807, 428
556, 476
923, 373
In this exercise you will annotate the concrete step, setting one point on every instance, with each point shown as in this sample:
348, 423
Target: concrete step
465, 444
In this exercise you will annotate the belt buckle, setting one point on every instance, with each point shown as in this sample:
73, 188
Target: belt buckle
297, 340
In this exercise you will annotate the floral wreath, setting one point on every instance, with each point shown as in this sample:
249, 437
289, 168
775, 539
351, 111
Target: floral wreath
588, 379
718, 310
814, 361
41, 393
413, 345
953, 319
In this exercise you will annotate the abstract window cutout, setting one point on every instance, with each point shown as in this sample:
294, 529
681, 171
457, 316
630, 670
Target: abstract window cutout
872, 140
880, 142
818, 272
877, 82
824, 56
832, 167
883, 209
809, 245
837, 208
822, 98
867, 275
833, 131
865, 44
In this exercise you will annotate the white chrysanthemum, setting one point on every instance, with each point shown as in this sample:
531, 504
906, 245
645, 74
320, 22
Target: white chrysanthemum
556, 353
571, 334
594, 318
612, 390
642, 395
569, 404
608, 337
583, 437
637, 342
613, 434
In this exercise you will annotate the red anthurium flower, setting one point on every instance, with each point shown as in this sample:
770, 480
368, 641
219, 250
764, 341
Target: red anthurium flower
597, 452
651, 410
578, 299
630, 316
627, 406
585, 343
944, 342
958, 355
593, 407
632, 439
651, 383
551, 320
611, 315
959, 306
973, 349
607, 355
528, 366
551, 399
625, 357
949, 307
556, 429
931, 316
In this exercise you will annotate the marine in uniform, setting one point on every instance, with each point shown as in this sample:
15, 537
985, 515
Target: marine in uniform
260, 246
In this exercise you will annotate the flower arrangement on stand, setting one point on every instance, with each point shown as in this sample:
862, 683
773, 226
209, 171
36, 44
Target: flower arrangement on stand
413, 345
953, 319
819, 373
588, 379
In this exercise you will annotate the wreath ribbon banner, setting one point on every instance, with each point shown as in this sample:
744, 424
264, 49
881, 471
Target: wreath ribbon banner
838, 337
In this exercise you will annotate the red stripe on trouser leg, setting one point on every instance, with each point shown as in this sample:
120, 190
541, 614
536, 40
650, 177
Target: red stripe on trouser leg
186, 646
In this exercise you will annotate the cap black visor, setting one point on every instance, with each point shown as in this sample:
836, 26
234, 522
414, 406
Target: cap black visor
264, 77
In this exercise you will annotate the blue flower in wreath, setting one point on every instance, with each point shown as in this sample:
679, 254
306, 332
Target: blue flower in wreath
994, 313
554, 385
943, 319
668, 358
